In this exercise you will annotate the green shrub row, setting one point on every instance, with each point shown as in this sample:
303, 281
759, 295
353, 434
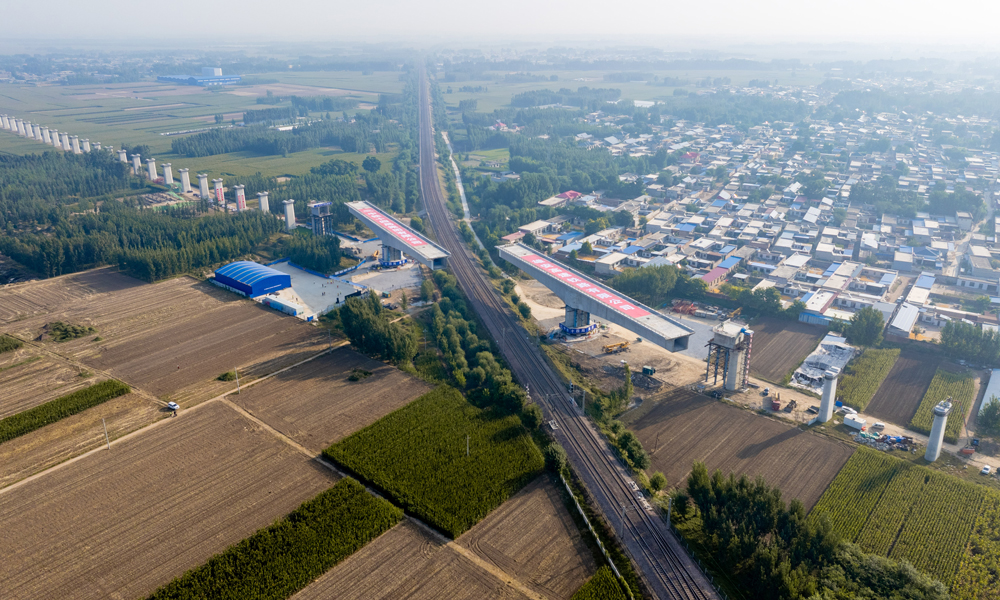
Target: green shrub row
60, 408
280, 560
8, 343
417, 456
602, 586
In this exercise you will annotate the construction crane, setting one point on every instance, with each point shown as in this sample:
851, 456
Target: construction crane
616, 348
736, 313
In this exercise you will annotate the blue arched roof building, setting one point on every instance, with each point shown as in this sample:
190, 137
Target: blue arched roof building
252, 279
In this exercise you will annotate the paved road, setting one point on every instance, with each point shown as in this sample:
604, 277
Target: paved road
667, 571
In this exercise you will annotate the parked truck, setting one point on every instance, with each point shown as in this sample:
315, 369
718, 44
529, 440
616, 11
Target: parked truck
854, 421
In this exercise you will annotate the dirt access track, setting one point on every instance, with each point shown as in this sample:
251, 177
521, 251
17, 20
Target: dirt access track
527, 548
120, 523
780, 345
682, 426
316, 405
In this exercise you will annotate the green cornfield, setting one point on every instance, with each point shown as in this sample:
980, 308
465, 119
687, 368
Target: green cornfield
279, 560
864, 375
60, 408
978, 576
417, 456
8, 343
602, 586
895, 508
961, 388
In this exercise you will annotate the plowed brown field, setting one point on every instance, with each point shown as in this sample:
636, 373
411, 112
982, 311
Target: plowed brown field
902, 390
408, 562
533, 538
780, 345
682, 426
120, 523
170, 339
29, 377
316, 405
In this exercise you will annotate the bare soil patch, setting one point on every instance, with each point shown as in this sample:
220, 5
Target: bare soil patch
408, 562
780, 345
533, 538
682, 426
119, 524
316, 405
29, 377
900, 394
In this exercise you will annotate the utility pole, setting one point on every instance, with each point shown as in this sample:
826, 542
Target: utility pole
466, 444
584, 401
106, 438
670, 504
527, 390
237, 379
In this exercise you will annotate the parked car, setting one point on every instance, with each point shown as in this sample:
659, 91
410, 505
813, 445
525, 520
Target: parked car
173, 406
985, 471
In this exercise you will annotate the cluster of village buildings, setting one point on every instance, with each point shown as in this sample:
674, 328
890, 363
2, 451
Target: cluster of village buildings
820, 249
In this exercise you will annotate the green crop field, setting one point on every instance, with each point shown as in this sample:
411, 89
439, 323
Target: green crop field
864, 375
602, 586
60, 408
417, 455
961, 388
276, 562
979, 574
908, 512
143, 112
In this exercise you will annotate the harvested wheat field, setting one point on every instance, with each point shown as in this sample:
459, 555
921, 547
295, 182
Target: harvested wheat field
780, 345
682, 426
317, 405
533, 538
74, 435
120, 523
29, 377
410, 562
170, 339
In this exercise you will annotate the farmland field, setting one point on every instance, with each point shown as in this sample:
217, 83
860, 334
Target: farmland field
891, 507
29, 377
978, 576
123, 522
962, 390
681, 427
779, 346
533, 538
443, 459
899, 395
409, 562
316, 405
864, 375
171, 338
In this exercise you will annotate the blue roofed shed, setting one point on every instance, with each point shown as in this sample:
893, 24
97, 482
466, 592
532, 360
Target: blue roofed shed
252, 279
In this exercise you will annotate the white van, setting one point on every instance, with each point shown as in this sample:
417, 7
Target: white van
878, 425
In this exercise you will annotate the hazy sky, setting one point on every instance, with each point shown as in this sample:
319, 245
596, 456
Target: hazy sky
651, 22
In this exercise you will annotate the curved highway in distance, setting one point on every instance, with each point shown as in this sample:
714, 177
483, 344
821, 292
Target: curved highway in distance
666, 569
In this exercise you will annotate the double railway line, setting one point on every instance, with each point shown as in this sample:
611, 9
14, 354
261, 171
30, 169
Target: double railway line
664, 566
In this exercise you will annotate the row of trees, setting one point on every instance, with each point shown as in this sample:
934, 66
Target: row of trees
967, 342
771, 550
317, 252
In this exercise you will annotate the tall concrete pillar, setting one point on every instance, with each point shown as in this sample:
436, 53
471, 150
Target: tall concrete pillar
20, 127
168, 174
136, 165
45, 136
185, 181
97, 146
54, 138
241, 199
4, 122
74, 142
262, 202
289, 214
36, 130
86, 145
123, 156
220, 192
65, 142
936, 438
151, 168
829, 394
203, 185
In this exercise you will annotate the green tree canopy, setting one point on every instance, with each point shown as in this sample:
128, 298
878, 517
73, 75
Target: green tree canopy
866, 327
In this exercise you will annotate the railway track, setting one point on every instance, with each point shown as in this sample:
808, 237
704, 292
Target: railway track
665, 568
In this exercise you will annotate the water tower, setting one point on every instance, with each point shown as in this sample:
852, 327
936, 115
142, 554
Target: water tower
936, 437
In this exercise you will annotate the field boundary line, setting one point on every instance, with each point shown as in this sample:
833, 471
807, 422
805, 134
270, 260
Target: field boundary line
471, 556
160, 422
